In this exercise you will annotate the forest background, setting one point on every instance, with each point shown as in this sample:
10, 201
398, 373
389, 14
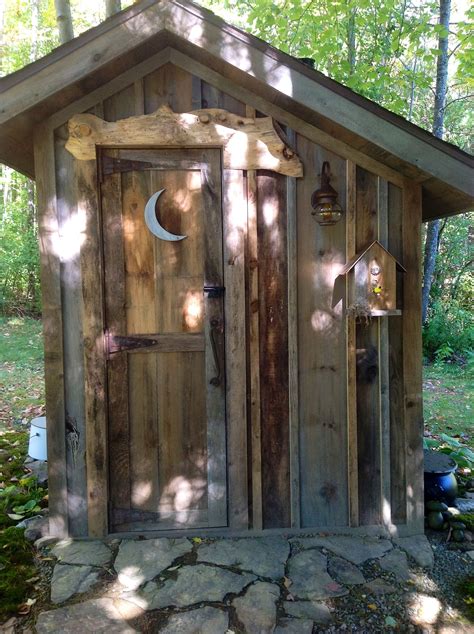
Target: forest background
414, 57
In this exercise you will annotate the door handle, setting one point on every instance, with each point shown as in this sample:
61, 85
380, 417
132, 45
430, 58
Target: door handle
214, 331
214, 292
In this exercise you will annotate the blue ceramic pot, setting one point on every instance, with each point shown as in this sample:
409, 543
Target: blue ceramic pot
440, 481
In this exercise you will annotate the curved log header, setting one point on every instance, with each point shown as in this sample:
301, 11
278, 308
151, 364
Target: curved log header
248, 143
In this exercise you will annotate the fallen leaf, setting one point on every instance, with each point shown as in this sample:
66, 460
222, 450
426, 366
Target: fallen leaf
196, 540
287, 582
372, 606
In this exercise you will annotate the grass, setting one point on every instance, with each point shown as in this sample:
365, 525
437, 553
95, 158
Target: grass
21, 399
21, 371
448, 401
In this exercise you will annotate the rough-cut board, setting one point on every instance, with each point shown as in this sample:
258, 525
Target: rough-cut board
397, 406
273, 313
322, 351
52, 331
247, 143
368, 354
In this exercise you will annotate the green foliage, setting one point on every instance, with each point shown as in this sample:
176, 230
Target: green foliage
449, 334
19, 254
16, 569
466, 591
462, 454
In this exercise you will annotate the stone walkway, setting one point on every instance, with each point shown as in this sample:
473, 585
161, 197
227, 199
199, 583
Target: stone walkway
253, 585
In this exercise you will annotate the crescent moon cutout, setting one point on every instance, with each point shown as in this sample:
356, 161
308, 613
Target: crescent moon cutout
152, 221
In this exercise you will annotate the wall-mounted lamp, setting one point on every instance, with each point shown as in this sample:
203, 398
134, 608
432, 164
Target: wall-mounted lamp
326, 209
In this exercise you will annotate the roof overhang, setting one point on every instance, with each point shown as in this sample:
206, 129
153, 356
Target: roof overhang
75, 69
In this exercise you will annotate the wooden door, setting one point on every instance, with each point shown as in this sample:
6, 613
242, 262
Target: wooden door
165, 339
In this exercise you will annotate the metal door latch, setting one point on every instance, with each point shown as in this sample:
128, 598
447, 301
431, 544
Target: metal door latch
214, 292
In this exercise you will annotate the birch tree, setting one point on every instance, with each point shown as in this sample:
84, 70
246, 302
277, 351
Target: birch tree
64, 20
111, 7
441, 91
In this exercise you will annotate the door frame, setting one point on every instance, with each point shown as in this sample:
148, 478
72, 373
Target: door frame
234, 227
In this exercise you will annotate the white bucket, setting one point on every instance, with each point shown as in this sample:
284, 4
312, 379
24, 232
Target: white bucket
38, 447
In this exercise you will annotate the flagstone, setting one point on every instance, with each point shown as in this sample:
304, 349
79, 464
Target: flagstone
85, 553
69, 580
355, 549
256, 609
98, 616
195, 584
310, 579
207, 619
140, 561
264, 556
418, 547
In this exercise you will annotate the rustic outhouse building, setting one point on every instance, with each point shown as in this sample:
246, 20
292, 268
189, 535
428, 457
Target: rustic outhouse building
209, 367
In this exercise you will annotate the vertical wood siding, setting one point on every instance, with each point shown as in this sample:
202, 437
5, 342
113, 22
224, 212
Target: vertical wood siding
322, 350
273, 314
292, 385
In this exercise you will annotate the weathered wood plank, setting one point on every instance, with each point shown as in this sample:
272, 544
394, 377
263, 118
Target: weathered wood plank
247, 143
94, 354
292, 257
385, 362
353, 477
117, 365
368, 367
322, 351
69, 224
273, 312
52, 330
235, 236
412, 353
211, 177
398, 485
253, 317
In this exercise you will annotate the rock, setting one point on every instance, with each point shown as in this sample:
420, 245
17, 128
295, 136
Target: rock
435, 505
39, 468
345, 572
317, 612
256, 610
207, 619
37, 529
355, 549
264, 556
46, 540
70, 580
435, 520
396, 562
471, 553
310, 579
423, 609
464, 505
195, 584
141, 561
85, 553
379, 587
418, 547
294, 626
98, 616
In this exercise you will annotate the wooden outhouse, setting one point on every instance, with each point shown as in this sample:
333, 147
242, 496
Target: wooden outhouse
203, 371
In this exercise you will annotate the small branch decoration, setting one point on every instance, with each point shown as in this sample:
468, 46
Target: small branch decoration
361, 312
247, 143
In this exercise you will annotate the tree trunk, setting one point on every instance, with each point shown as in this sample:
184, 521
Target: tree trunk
64, 20
111, 7
441, 90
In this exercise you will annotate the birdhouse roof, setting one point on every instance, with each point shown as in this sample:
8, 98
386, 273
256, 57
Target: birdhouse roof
375, 244
282, 86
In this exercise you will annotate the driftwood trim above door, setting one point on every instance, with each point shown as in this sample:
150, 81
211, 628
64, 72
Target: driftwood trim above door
248, 143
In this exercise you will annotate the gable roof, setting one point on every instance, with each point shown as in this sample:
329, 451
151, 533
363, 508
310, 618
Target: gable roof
352, 262
130, 37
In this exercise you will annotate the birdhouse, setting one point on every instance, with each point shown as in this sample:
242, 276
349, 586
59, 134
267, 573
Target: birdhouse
372, 278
